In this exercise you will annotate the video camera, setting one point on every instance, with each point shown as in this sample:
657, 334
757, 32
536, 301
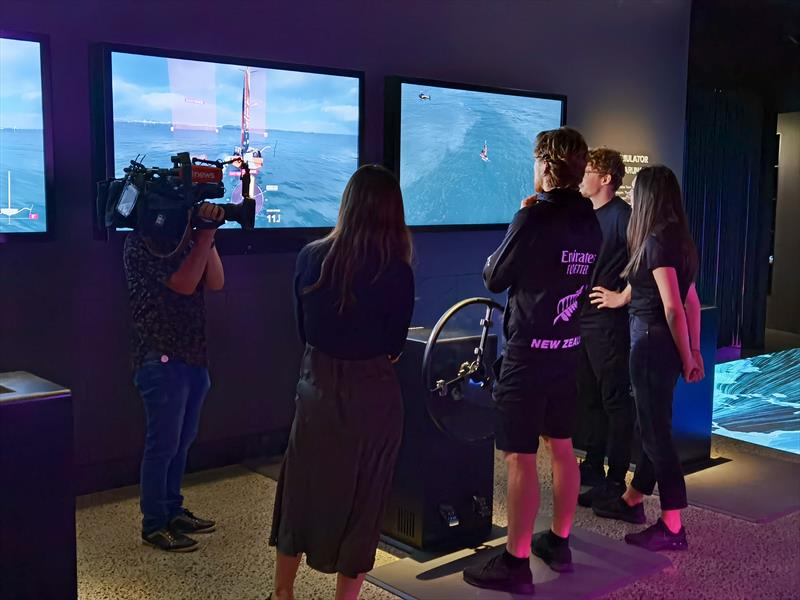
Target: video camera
164, 201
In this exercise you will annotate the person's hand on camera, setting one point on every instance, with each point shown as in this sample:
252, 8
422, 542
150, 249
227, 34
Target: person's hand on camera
208, 211
528, 202
603, 298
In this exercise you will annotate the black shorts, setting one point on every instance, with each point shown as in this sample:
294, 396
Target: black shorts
535, 395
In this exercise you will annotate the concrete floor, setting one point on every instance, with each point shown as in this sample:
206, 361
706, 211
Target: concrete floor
728, 558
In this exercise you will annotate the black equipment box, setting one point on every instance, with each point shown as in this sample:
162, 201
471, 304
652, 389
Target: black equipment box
443, 486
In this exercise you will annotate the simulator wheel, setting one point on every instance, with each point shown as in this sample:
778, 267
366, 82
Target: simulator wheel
457, 369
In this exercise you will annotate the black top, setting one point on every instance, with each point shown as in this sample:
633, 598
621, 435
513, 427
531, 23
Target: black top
546, 261
164, 321
376, 325
663, 248
613, 218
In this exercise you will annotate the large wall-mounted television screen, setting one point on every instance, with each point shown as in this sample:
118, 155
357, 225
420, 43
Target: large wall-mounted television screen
299, 130
464, 153
23, 194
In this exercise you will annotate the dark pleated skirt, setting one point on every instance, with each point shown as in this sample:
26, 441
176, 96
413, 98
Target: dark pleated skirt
338, 467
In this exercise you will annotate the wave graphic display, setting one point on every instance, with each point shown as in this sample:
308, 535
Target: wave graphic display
757, 400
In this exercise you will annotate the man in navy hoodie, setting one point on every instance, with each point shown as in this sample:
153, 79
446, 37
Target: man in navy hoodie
545, 262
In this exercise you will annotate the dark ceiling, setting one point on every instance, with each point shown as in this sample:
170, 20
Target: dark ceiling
753, 44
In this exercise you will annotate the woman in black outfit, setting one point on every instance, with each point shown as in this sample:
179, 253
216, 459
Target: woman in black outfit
665, 342
354, 293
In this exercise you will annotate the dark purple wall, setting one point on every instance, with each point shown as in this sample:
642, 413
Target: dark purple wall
63, 312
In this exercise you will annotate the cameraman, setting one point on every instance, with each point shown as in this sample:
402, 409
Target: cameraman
170, 366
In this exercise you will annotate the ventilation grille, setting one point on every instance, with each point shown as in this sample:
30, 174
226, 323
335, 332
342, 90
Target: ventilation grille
406, 522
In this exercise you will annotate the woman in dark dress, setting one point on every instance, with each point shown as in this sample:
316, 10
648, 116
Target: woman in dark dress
665, 343
354, 293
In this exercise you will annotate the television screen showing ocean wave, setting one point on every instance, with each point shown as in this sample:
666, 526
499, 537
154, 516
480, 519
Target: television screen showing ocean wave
297, 130
466, 157
23, 205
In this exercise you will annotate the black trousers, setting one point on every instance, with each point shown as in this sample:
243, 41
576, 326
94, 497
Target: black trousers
655, 368
605, 396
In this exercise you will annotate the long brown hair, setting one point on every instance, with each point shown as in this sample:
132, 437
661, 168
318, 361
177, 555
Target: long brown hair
371, 225
656, 204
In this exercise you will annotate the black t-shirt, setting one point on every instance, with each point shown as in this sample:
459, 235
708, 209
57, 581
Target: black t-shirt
164, 321
546, 262
376, 325
666, 247
613, 218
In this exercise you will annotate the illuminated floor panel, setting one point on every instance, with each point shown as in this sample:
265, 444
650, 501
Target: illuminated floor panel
757, 400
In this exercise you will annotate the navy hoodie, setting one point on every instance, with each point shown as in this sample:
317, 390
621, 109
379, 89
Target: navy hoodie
546, 262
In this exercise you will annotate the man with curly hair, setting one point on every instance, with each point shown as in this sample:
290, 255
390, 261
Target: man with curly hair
545, 261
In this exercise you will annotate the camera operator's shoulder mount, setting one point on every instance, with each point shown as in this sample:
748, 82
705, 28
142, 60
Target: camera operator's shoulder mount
162, 203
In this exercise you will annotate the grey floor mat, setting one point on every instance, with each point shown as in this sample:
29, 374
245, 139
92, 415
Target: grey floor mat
601, 566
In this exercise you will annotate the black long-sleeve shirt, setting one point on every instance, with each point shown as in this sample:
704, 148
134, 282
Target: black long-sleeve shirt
545, 262
376, 325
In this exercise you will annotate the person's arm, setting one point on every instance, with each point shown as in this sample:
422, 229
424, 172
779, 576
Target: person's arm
214, 275
667, 281
603, 298
500, 270
692, 306
187, 277
400, 308
298, 301
185, 280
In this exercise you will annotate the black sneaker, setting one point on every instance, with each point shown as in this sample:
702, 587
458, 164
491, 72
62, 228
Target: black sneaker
498, 574
557, 556
609, 489
591, 475
659, 537
617, 508
169, 541
188, 523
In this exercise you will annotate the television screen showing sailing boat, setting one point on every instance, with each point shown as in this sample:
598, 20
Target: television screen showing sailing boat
23, 203
298, 130
465, 152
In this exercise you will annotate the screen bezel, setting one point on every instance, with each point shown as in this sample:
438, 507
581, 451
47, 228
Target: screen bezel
391, 137
47, 137
233, 240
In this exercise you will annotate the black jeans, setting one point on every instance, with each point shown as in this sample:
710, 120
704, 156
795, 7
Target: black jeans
655, 368
604, 389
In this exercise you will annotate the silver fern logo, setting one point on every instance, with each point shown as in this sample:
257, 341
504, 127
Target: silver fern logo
568, 305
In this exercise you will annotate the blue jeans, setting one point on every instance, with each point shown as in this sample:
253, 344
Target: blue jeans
173, 394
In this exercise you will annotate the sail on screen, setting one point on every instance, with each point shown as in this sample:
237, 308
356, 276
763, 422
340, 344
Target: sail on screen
466, 156
298, 131
23, 205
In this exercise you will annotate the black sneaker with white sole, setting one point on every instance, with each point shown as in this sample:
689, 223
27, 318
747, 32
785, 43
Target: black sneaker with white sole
166, 540
555, 554
659, 537
499, 573
617, 508
186, 522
